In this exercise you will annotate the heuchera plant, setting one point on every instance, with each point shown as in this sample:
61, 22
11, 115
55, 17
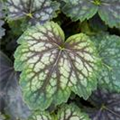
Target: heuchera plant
59, 59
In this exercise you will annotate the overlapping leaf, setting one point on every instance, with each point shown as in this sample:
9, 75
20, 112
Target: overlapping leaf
10, 91
109, 50
2, 31
109, 10
35, 10
107, 105
66, 112
52, 67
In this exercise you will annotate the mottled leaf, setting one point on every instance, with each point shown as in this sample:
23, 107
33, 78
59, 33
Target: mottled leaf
109, 50
109, 10
35, 10
71, 112
2, 30
41, 116
52, 67
80, 9
107, 105
66, 112
11, 92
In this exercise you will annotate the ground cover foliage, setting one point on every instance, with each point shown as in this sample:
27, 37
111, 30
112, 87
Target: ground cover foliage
59, 59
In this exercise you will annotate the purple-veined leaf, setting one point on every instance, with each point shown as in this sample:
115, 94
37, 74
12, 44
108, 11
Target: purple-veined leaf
71, 112
37, 11
66, 112
107, 105
10, 90
52, 67
108, 10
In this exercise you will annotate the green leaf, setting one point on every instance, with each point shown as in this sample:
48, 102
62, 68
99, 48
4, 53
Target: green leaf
71, 112
79, 9
109, 11
2, 117
41, 116
36, 11
66, 112
109, 50
52, 67
10, 92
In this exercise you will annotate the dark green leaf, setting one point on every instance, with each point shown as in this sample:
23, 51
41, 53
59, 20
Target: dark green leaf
109, 10
109, 50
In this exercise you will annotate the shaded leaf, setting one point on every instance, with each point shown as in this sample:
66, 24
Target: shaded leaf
35, 10
109, 50
107, 105
109, 10
11, 92
52, 67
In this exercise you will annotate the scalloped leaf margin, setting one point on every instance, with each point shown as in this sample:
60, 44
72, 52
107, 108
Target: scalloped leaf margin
52, 67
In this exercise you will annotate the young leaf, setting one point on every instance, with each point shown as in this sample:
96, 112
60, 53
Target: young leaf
52, 67
11, 92
109, 50
107, 105
66, 112
35, 10
109, 11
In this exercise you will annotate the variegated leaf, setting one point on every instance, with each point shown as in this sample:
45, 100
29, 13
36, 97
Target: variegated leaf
37, 11
109, 50
79, 9
109, 10
41, 116
2, 30
71, 112
107, 105
66, 112
52, 67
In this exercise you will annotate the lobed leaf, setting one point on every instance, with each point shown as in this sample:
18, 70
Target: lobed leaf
37, 11
107, 105
108, 10
52, 67
79, 9
109, 50
66, 112
10, 92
